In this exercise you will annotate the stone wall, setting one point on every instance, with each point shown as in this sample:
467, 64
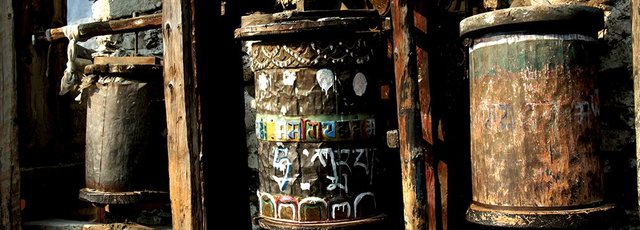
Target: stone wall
149, 42
615, 82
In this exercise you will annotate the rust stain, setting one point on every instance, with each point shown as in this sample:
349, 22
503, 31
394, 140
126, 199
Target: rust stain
534, 129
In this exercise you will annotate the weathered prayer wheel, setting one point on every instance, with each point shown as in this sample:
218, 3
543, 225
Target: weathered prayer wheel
315, 94
125, 155
535, 158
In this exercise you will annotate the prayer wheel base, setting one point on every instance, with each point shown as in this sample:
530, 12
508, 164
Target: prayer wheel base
366, 223
538, 218
133, 197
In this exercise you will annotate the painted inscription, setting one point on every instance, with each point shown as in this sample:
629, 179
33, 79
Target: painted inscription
316, 208
282, 166
333, 198
315, 128
498, 116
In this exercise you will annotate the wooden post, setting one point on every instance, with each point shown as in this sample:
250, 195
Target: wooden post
635, 32
411, 149
88, 30
422, 64
9, 169
196, 58
183, 124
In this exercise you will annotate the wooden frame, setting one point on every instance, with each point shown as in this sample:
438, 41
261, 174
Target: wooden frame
9, 167
195, 88
635, 33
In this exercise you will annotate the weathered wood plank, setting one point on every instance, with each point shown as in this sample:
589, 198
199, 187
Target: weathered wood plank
88, 30
126, 60
635, 31
9, 169
424, 90
182, 108
411, 151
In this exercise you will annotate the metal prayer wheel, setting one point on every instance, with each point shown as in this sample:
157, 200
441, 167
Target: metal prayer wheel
126, 156
315, 94
534, 117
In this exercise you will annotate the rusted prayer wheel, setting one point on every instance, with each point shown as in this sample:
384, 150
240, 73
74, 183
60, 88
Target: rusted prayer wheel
126, 157
316, 88
534, 117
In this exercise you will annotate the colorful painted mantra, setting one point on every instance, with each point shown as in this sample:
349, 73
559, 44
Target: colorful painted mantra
315, 208
315, 128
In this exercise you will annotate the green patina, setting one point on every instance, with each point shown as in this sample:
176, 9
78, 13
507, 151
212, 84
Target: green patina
531, 55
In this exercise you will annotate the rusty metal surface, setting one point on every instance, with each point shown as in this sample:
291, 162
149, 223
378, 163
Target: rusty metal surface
563, 17
316, 128
125, 122
534, 128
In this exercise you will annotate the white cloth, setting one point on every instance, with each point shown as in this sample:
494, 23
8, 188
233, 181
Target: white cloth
70, 77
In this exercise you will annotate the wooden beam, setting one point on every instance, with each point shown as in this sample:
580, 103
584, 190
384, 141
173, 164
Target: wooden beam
409, 126
424, 90
635, 32
88, 30
9, 169
183, 113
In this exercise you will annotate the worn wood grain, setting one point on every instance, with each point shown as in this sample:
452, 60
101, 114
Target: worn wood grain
123, 129
126, 60
88, 30
424, 89
9, 169
182, 109
635, 31
411, 151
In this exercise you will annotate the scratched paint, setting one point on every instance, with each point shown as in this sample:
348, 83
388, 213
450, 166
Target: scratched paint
359, 84
325, 78
263, 82
534, 111
289, 77
326, 171
534, 122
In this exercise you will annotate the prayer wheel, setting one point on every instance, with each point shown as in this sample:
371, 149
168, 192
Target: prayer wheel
534, 109
315, 94
126, 156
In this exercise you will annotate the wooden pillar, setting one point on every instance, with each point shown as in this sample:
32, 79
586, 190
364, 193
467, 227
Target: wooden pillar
412, 153
183, 117
424, 88
9, 170
205, 115
635, 32
424, 96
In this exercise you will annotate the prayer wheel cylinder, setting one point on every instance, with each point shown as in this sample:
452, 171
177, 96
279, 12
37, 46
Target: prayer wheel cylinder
315, 93
534, 117
126, 157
